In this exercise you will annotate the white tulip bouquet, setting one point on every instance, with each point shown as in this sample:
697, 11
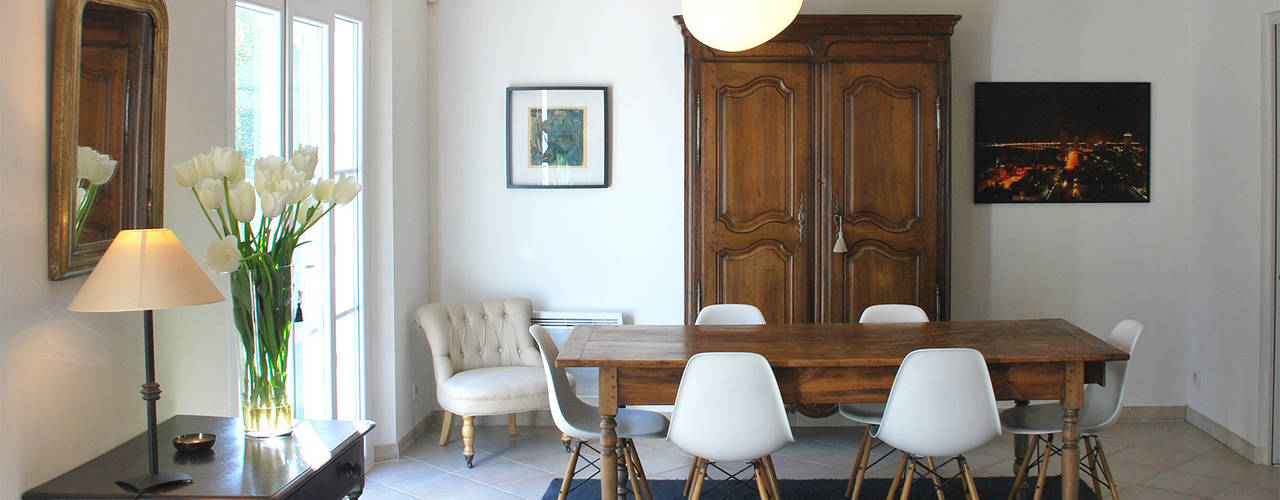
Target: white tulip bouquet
257, 249
93, 169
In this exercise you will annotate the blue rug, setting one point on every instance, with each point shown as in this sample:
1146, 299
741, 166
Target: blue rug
988, 487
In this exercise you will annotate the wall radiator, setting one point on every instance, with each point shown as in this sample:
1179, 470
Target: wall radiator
559, 324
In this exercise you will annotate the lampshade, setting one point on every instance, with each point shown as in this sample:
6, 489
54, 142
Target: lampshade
735, 25
145, 269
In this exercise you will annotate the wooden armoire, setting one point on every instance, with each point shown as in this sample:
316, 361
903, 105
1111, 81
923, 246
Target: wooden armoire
840, 123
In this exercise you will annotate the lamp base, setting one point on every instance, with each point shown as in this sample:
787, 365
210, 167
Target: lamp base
149, 482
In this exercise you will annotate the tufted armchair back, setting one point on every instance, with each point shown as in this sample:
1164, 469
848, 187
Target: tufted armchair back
471, 335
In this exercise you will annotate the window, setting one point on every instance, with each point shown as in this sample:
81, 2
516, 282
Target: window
310, 92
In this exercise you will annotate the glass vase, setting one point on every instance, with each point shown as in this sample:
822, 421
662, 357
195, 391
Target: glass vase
261, 302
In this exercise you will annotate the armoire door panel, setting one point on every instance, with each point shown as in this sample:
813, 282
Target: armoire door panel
756, 187
883, 186
753, 275
884, 183
876, 273
757, 170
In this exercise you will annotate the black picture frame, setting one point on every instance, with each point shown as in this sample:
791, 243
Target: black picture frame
1062, 142
574, 124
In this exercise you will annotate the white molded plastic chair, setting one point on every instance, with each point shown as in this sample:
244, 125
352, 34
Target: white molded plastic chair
893, 313
941, 405
582, 421
728, 408
869, 414
716, 314
729, 314
1101, 407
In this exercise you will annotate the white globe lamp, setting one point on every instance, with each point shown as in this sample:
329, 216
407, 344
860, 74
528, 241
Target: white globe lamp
737, 25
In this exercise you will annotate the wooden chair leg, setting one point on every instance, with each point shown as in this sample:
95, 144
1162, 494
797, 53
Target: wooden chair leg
624, 454
700, 474
1022, 470
968, 478
937, 484
1093, 465
906, 485
859, 464
568, 473
1106, 470
635, 461
445, 427
688, 480
897, 477
773, 478
762, 485
469, 440
511, 424
567, 440
1044, 468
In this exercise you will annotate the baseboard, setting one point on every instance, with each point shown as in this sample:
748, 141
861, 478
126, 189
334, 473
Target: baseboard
1243, 447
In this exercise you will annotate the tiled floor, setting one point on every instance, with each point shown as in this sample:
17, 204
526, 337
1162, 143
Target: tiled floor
1164, 460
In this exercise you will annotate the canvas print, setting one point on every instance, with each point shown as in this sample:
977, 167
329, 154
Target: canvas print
1062, 142
555, 137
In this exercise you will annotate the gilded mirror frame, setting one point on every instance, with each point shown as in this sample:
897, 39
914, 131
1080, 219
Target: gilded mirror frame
140, 170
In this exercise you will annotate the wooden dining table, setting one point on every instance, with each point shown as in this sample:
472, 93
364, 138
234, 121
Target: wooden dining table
843, 363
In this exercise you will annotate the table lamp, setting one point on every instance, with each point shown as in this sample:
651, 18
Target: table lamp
144, 270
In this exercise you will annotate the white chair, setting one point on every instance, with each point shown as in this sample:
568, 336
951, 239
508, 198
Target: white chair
1101, 407
941, 405
729, 314
717, 314
581, 421
869, 414
728, 408
485, 363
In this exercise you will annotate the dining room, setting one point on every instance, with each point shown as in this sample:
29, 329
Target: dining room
1066, 189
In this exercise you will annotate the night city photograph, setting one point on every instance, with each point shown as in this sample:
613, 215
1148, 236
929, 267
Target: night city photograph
1062, 142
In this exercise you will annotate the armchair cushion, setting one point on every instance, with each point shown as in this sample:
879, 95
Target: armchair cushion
494, 391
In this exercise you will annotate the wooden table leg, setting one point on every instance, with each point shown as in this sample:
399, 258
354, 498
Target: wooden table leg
609, 461
1020, 444
1071, 405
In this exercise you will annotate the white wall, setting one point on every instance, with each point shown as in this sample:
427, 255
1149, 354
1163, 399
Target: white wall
1226, 348
595, 249
1093, 264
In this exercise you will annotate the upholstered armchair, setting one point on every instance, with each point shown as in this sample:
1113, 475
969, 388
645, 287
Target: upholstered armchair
485, 361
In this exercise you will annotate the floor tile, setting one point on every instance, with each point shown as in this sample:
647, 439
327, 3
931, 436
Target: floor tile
1183, 482
1154, 455
1246, 491
499, 471
1221, 463
374, 490
1129, 473
393, 473
530, 488
1145, 493
451, 486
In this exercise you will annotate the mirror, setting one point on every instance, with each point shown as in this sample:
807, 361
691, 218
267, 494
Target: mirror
106, 159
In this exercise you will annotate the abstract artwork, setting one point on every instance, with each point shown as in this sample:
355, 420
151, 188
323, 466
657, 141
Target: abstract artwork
1062, 142
557, 137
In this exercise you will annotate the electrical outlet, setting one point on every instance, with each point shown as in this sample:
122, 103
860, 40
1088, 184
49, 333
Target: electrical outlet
415, 391
1195, 379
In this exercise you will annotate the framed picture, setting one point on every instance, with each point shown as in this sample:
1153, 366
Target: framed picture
1062, 142
557, 137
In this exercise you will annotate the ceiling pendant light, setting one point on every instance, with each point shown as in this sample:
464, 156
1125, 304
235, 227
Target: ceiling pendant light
736, 25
